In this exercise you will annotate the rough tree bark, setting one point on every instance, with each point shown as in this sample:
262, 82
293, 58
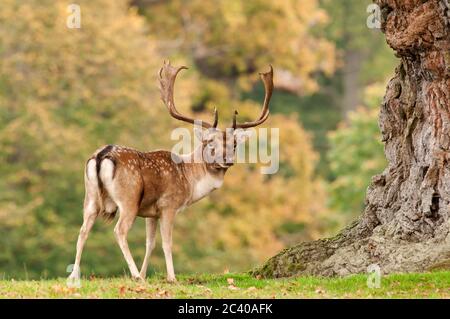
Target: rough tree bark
406, 223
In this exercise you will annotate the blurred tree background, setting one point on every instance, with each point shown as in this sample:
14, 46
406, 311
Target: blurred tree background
64, 92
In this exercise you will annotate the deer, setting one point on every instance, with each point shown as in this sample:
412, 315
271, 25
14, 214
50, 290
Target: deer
158, 185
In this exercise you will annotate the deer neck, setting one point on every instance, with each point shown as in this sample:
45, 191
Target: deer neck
202, 177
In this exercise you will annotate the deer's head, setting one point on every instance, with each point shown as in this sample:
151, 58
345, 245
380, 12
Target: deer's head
217, 146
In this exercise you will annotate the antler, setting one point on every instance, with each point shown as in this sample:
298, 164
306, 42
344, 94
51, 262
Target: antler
167, 77
267, 79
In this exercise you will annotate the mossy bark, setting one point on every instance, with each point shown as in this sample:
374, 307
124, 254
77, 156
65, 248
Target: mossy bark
406, 223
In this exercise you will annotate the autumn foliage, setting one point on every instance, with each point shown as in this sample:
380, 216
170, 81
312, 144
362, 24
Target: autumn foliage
65, 92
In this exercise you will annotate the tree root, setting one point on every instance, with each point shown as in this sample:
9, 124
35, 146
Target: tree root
349, 253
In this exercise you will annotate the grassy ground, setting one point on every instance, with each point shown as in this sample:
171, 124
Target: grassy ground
424, 285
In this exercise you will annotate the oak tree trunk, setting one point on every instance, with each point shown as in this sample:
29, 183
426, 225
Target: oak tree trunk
406, 223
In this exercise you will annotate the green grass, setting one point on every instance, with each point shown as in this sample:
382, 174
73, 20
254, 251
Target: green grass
420, 285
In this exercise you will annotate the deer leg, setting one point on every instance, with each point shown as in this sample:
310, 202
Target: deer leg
126, 220
150, 227
89, 216
166, 226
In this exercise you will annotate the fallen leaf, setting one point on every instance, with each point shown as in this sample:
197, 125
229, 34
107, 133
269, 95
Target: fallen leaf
319, 291
233, 287
162, 292
63, 289
56, 288
140, 289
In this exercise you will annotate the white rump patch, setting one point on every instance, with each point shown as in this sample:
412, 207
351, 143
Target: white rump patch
91, 170
106, 171
91, 184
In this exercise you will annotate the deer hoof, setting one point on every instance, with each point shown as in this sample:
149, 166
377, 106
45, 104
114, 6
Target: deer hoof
138, 278
171, 280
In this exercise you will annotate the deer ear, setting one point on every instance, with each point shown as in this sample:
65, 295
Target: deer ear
242, 135
198, 132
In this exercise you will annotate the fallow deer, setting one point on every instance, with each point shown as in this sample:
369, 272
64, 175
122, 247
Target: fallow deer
157, 185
